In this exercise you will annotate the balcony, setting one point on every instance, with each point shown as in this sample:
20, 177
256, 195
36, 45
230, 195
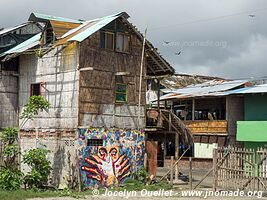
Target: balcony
208, 127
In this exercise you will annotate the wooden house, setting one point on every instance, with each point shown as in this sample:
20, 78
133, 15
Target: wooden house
89, 71
209, 112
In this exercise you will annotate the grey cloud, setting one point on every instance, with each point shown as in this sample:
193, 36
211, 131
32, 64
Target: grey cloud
243, 56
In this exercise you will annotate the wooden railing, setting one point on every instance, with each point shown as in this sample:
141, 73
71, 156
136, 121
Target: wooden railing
207, 126
196, 126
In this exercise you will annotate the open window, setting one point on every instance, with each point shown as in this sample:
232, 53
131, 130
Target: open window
37, 89
121, 93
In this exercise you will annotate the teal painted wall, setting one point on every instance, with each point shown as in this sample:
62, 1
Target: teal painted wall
256, 107
255, 145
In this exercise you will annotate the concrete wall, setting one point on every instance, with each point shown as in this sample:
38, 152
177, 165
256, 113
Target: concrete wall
8, 99
63, 150
234, 113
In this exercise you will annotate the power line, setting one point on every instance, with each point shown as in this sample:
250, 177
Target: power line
210, 19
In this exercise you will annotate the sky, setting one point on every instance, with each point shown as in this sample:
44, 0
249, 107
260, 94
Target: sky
215, 37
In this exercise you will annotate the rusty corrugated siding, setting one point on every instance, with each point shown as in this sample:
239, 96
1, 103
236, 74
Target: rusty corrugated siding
60, 28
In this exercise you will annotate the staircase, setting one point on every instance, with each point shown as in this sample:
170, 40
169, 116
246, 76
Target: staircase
172, 122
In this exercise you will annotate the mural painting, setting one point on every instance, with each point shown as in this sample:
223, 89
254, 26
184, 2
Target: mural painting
109, 156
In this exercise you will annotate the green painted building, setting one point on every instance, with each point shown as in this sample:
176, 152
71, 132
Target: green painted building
253, 130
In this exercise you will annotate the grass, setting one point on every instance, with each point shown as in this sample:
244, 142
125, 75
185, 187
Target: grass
23, 194
130, 185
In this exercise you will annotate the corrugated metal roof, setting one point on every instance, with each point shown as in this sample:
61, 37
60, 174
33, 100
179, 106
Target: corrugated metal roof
27, 44
93, 26
210, 88
7, 30
69, 32
251, 90
43, 17
60, 28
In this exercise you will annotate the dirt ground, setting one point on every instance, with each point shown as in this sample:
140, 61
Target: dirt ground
150, 198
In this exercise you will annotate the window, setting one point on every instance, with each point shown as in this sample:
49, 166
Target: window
35, 89
107, 40
95, 142
38, 89
121, 92
122, 42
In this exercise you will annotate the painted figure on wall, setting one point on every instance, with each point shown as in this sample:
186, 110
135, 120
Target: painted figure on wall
108, 167
113, 161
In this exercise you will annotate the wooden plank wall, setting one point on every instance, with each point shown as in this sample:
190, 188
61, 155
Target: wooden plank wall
208, 126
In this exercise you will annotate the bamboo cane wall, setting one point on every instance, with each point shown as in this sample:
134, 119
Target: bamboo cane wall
97, 106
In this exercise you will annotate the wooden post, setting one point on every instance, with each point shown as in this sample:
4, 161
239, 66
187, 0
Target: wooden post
159, 117
145, 161
215, 171
170, 121
190, 173
140, 80
176, 155
193, 109
171, 175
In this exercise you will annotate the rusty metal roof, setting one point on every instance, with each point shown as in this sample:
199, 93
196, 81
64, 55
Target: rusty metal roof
59, 25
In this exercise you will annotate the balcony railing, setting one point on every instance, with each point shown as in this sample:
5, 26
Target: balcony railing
207, 126
196, 126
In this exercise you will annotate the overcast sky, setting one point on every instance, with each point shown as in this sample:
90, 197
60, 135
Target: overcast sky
215, 37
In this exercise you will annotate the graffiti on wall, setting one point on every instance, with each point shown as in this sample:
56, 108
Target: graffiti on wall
115, 156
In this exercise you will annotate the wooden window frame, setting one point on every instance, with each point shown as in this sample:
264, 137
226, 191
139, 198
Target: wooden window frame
42, 85
113, 42
125, 93
127, 35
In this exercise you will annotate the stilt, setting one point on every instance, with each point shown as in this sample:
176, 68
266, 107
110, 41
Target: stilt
176, 156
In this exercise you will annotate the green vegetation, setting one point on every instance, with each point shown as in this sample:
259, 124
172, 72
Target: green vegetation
36, 159
135, 185
11, 178
141, 175
34, 105
26, 194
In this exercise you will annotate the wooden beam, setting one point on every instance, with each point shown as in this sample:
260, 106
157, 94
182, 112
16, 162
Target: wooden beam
157, 62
